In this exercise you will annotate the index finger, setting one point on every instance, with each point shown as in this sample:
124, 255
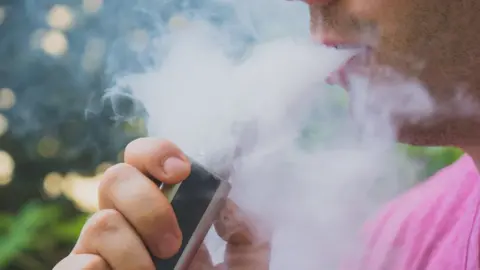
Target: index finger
159, 158
82, 261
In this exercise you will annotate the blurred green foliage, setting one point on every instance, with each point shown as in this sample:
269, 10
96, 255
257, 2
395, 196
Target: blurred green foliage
433, 158
29, 239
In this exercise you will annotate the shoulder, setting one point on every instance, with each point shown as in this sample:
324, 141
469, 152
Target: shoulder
447, 185
425, 213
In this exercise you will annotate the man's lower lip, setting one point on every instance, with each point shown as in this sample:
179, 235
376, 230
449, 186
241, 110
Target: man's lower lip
340, 76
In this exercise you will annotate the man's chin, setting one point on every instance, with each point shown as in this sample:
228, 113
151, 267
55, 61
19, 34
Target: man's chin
440, 132
414, 128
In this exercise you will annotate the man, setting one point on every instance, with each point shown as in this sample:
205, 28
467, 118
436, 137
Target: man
433, 227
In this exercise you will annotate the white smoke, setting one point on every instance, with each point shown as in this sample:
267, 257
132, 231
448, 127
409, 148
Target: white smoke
315, 197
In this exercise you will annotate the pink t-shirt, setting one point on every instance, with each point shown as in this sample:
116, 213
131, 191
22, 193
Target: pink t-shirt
435, 226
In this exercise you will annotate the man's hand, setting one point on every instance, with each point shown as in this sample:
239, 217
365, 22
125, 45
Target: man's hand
135, 217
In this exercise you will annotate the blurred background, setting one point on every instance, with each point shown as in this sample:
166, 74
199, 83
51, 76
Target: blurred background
57, 133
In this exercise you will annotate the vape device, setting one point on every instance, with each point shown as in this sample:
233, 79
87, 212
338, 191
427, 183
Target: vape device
196, 202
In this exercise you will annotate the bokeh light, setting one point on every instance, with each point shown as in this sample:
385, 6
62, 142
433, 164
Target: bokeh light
60, 17
135, 126
7, 98
3, 125
103, 167
177, 22
138, 40
54, 42
48, 147
52, 184
7, 166
3, 14
92, 6
82, 191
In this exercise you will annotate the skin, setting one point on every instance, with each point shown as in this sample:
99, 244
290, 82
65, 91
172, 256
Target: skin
442, 35
135, 216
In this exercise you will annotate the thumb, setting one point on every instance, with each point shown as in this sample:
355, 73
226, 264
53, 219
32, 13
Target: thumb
254, 256
236, 226
248, 246
202, 260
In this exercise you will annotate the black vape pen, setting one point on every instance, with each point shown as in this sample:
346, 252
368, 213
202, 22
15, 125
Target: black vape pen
198, 200
196, 203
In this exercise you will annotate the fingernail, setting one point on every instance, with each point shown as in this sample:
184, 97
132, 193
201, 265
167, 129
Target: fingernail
168, 246
173, 165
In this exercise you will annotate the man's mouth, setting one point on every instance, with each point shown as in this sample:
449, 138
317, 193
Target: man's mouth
355, 65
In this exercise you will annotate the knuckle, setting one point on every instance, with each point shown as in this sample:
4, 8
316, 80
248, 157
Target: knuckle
152, 142
104, 221
113, 174
96, 263
163, 149
151, 150
159, 216
118, 171
163, 143
133, 144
